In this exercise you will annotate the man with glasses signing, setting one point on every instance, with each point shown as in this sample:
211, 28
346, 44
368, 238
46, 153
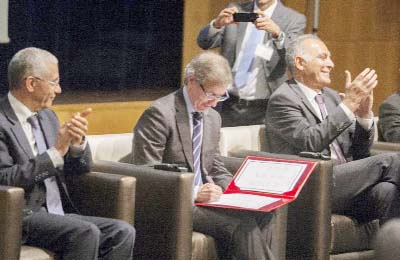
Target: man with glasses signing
181, 128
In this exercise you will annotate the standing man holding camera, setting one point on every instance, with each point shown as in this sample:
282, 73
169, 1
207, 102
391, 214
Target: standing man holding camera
256, 51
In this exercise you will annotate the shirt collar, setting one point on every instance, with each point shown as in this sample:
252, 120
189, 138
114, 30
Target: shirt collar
308, 92
22, 111
189, 104
269, 11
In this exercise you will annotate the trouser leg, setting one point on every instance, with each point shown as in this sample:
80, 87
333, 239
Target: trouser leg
116, 237
66, 236
79, 237
368, 189
234, 114
237, 233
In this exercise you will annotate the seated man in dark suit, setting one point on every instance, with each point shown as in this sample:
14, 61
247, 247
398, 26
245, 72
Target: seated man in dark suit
40, 156
389, 119
181, 128
306, 115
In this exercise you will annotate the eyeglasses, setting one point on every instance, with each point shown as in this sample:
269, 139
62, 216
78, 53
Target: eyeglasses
52, 83
211, 96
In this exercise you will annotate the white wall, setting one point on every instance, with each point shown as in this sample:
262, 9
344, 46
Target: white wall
4, 21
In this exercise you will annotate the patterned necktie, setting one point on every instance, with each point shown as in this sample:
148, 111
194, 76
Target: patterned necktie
335, 145
196, 142
53, 199
246, 62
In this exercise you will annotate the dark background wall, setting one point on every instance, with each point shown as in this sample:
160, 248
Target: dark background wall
104, 45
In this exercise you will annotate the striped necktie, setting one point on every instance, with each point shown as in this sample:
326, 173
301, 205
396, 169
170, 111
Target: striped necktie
53, 198
335, 145
196, 142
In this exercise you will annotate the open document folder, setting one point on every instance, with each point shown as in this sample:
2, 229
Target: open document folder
264, 184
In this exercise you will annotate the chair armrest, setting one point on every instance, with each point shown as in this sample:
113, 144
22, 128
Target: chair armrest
309, 216
11, 205
105, 195
164, 203
384, 147
232, 164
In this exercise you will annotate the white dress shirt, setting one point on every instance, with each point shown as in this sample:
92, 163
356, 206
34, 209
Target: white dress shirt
23, 113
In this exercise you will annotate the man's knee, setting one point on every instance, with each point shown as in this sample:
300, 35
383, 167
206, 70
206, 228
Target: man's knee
90, 231
123, 231
386, 192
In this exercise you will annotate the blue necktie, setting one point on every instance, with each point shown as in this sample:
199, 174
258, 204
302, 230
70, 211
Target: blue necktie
53, 198
335, 145
196, 142
244, 67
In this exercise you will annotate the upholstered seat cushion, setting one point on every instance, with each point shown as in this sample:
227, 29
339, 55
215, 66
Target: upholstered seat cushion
203, 247
348, 235
35, 253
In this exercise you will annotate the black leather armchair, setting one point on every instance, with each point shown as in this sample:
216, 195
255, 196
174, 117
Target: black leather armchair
99, 194
163, 210
163, 204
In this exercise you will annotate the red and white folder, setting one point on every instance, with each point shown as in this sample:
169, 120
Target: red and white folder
264, 184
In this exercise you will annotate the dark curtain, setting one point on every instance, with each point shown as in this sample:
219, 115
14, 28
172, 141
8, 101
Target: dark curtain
101, 45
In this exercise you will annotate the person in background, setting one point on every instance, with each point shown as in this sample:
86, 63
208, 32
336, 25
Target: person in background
180, 128
256, 53
39, 155
389, 119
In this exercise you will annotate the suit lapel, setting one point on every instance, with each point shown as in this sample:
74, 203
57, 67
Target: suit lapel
47, 129
293, 85
329, 102
279, 14
16, 127
331, 105
183, 127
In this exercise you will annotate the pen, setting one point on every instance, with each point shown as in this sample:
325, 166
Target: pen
209, 179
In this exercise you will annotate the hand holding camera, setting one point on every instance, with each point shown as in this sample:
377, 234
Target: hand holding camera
225, 17
265, 23
260, 20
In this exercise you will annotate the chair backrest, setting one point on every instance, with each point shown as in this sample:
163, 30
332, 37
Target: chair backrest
241, 138
111, 147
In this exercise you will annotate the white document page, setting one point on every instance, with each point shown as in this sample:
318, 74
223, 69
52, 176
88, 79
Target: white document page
269, 176
244, 200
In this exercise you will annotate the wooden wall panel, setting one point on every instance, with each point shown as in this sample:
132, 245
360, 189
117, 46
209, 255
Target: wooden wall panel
106, 118
359, 34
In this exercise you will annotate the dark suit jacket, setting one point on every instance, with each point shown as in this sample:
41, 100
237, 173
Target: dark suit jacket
292, 125
389, 119
230, 39
19, 167
162, 135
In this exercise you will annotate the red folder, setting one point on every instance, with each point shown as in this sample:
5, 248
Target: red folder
264, 184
